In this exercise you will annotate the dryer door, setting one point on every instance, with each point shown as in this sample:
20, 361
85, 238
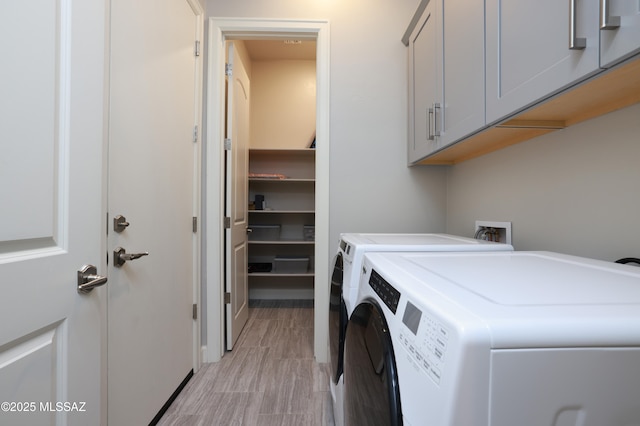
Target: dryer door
372, 395
337, 319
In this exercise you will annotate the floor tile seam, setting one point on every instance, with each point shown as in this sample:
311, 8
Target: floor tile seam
244, 410
308, 409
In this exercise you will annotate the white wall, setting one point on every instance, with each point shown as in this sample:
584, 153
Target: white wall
283, 103
574, 191
371, 188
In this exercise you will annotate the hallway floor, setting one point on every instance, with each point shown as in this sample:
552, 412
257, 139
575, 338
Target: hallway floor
269, 379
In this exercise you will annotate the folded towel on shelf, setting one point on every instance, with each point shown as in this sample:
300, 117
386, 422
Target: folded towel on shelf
266, 176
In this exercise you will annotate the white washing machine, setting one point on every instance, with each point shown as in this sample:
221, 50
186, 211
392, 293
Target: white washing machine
493, 339
346, 279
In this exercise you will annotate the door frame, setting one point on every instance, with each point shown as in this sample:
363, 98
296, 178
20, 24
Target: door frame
197, 185
220, 30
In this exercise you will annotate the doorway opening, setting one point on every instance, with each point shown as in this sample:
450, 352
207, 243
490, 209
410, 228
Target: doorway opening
220, 32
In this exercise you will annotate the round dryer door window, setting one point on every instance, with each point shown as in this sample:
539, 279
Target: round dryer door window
372, 395
337, 319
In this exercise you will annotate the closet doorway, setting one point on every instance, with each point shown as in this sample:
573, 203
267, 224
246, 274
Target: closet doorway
279, 145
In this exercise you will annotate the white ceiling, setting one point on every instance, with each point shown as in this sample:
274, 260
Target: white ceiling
262, 50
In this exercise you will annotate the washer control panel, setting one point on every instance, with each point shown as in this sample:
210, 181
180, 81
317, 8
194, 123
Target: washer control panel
426, 340
387, 293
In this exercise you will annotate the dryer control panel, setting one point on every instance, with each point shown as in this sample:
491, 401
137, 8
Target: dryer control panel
426, 340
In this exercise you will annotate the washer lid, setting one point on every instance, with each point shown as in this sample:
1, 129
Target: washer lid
441, 242
521, 299
530, 279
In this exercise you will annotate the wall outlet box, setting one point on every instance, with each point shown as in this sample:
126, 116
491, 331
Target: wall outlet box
488, 230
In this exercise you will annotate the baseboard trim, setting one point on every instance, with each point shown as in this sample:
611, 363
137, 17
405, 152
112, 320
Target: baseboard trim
172, 398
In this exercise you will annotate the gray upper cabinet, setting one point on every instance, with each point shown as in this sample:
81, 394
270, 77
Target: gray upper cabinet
529, 56
463, 69
484, 75
425, 89
620, 31
446, 74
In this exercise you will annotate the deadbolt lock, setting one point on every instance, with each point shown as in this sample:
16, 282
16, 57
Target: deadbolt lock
120, 223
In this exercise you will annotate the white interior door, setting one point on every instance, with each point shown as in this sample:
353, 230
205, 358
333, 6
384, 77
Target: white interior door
52, 107
151, 184
238, 91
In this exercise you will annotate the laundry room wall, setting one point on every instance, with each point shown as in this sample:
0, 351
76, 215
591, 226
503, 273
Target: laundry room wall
574, 191
371, 189
283, 103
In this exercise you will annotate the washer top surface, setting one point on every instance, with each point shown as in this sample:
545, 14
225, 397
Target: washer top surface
411, 242
523, 298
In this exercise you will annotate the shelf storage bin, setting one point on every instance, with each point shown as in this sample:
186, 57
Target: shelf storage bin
291, 265
308, 232
264, 233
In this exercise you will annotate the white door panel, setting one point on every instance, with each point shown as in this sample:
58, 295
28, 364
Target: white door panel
237, 311
151, 184
51, 220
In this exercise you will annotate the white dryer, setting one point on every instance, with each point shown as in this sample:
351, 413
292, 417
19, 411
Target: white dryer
493, 339
345, 282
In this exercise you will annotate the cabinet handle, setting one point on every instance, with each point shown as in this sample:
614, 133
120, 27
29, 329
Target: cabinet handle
432, 117
436, 128
575, 43
607, 22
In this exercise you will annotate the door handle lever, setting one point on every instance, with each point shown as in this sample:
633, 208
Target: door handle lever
133, 256
88, 279
120, 256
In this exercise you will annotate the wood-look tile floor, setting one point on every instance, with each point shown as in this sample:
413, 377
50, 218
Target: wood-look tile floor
269, 379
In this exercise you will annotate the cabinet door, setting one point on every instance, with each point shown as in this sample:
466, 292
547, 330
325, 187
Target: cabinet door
528, 55
623, 41
463, 63
424, 86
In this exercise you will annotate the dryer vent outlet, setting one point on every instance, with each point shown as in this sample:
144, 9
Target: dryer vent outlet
493, 231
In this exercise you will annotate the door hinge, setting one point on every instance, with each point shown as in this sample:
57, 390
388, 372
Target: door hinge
227, 222
227, 298
227, 144
228, 70
195, 311
195, 133
196, 49
194, 224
